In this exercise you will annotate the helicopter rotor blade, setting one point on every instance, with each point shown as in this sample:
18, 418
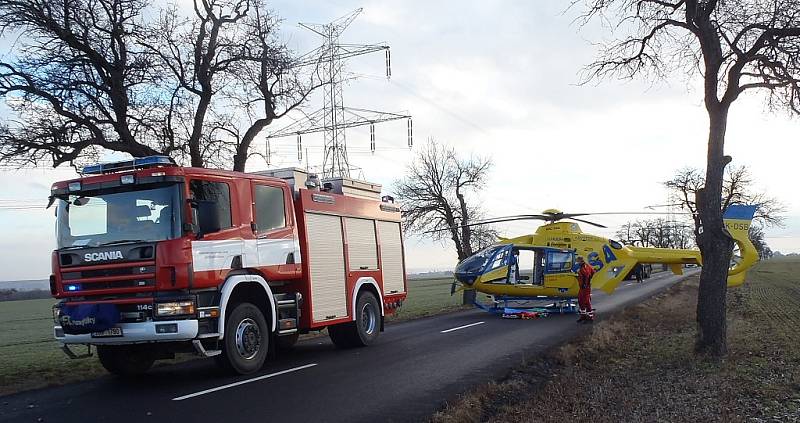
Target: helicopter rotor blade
623, 213
559, 216
550, 217
494, 220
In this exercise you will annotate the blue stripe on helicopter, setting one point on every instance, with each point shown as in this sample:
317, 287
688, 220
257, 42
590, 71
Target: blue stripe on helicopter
740, 212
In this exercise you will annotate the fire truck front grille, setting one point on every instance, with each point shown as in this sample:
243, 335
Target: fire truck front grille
99, 273
109, 279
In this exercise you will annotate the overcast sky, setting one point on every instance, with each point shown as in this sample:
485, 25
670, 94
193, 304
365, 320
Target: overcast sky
498, 79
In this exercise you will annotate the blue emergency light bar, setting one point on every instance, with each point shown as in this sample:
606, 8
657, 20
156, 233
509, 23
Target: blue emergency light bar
138, 163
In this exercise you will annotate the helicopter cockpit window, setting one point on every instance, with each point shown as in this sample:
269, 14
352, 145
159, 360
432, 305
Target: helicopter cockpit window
500, 260
475, 264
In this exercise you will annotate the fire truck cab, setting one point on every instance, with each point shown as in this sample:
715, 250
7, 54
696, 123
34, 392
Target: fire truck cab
154, 259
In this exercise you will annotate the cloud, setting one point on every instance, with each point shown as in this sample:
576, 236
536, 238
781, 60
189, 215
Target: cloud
499, 79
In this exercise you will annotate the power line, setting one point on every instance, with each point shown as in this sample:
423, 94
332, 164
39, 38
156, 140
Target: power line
334, 118
440, 107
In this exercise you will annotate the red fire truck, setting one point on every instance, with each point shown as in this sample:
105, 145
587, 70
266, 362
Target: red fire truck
155, 259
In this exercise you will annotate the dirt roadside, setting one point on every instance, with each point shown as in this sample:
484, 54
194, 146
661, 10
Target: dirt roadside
638, 365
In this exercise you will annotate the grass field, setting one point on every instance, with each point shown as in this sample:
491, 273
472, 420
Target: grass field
32, 359
428, 297
639, 365
30, 356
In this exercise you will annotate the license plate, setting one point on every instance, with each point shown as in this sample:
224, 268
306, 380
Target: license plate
111, 332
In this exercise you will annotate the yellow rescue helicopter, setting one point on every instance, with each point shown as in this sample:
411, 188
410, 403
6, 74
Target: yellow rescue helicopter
543, 264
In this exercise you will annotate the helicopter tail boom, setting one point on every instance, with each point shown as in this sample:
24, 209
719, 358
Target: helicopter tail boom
665, 255
737, 220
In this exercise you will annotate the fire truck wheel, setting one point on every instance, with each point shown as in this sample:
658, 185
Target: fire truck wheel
341, 335
246, 341
286, 342
368, 319
364, 331
125, 360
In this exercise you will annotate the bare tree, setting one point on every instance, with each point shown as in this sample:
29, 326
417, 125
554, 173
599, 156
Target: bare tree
660, 233
438, 197
735, 46
79, 81
737, 188
757, 238
627, 233
232, 76
197, 53
682, 236
269, 80
101, 74
683, 191
644, 232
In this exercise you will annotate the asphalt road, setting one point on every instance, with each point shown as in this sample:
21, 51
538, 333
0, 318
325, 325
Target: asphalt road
410, 373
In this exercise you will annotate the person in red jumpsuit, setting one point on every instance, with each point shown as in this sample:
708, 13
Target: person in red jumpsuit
585, 273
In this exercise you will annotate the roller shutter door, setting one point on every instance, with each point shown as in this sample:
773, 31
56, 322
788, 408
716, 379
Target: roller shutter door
361, 244
393, 270
326, 262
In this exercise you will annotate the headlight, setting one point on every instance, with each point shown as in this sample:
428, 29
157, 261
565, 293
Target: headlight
177, 308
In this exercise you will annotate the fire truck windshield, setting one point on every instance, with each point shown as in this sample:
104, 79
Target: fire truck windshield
135, 214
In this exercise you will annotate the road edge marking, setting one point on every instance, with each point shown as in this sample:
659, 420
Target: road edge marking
462, 327
242, 382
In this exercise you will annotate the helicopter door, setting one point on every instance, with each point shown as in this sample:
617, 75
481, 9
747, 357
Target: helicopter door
524, 273
499, 265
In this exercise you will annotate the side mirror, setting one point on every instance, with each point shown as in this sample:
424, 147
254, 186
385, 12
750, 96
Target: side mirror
81, 201
192, 227
189, 228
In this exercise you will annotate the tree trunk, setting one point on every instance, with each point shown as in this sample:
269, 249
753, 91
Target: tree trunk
240, 158
715, 244
466, 232
195, 154
469, 294
450, 220
711, 302
469, 297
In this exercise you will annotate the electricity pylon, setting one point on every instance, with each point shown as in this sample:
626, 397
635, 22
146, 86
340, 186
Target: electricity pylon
333, 118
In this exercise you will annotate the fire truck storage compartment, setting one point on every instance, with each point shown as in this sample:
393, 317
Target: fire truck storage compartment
326, 263
391, 257
361, 245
